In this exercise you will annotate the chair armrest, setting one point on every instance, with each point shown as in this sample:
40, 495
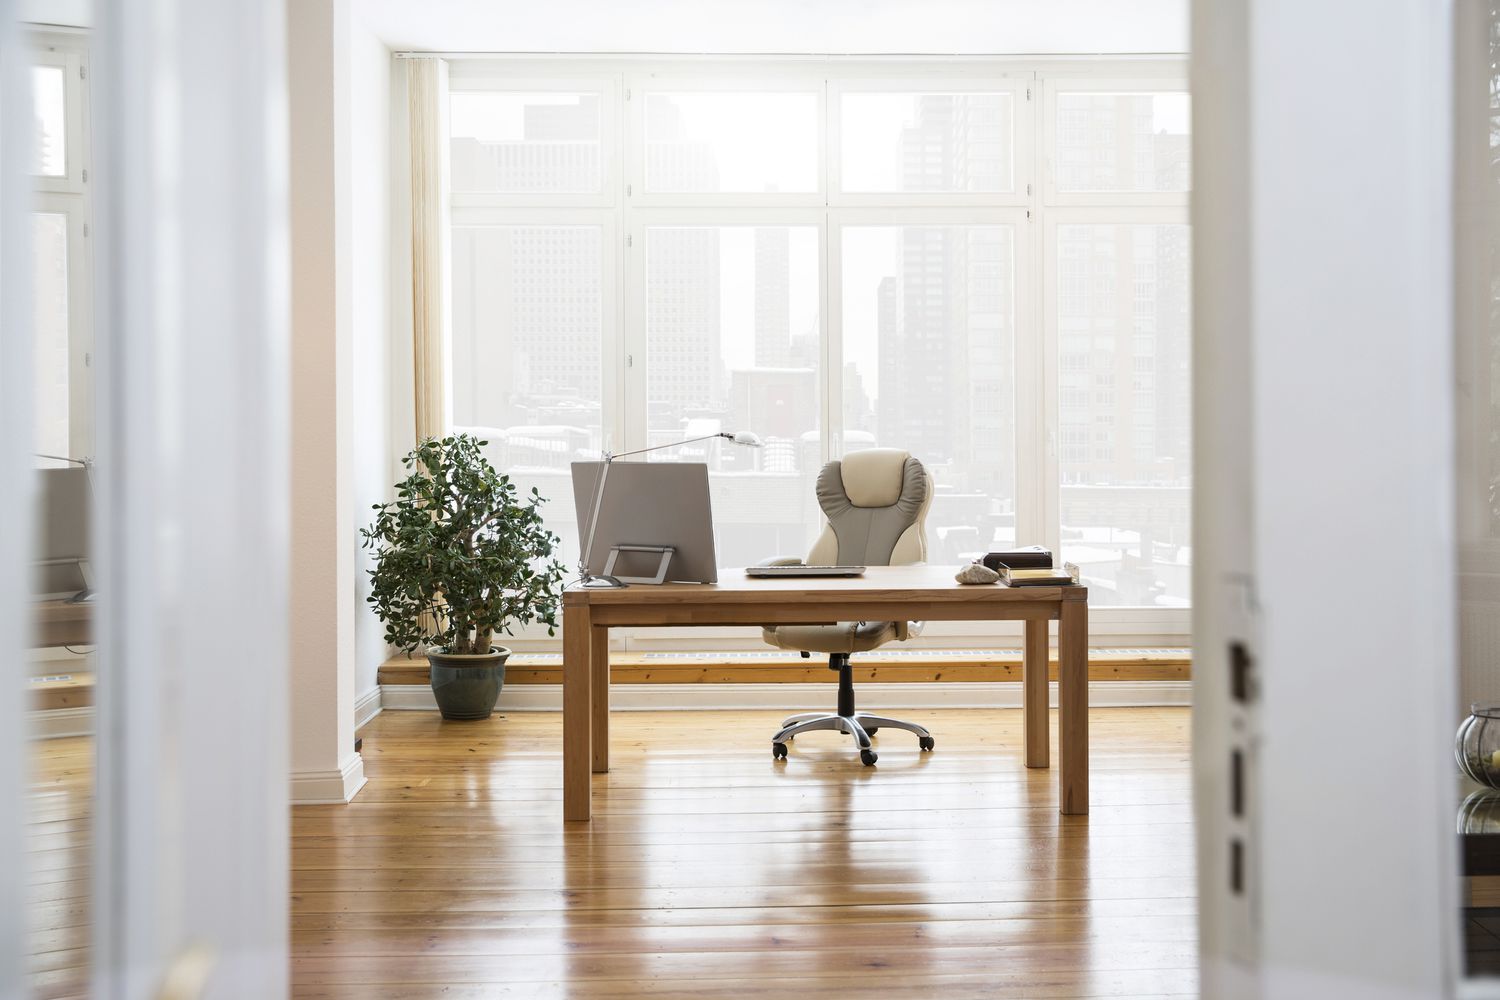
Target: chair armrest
909, 630
780, 561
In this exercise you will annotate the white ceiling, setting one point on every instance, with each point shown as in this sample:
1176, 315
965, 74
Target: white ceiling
780, 26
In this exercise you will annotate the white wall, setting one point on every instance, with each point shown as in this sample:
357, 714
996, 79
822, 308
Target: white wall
323, 762
368, 226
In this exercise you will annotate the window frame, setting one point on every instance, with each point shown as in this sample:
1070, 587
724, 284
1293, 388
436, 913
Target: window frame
468, 77
640, 85
611, 351
1034, 209
1052, 86
1018, 85
62, 51
636, 336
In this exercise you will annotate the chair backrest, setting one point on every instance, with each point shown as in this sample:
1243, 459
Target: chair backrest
876, 503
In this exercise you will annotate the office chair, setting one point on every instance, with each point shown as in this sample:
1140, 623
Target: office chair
876, 503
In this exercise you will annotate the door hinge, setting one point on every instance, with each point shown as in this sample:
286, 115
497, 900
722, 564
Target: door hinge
85, 230
630, 241
1028, 93
1028, 190
83, 72
85, 175
627, 93
630, 361
628, 189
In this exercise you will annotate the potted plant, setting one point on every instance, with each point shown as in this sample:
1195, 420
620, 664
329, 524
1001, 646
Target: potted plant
461, 556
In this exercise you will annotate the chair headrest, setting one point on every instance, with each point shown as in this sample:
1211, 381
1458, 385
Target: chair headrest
875, 477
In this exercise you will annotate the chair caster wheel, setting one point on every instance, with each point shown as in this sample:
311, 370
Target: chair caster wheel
873, 731
778, 751
867, 757
926, 742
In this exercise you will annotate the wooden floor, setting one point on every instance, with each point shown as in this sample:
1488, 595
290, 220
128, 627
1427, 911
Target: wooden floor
60, 834
710, 871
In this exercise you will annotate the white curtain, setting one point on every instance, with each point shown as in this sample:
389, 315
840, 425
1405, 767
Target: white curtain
427, 100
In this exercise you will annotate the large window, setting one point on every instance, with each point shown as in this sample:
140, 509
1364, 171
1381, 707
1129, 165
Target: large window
62, 339
985, 263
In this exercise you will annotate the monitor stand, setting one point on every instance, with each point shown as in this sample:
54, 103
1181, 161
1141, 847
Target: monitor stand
662, 552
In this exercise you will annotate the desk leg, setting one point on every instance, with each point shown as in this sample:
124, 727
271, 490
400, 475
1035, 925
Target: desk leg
1073, 706
599, 664
1034, 692
577, 702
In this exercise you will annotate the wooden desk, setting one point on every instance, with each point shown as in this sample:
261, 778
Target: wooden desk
884, 593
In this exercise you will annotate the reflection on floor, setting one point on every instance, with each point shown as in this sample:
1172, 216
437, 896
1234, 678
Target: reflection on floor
60, 828
712, 871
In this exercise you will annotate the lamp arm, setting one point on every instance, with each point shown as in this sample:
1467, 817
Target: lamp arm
675, 444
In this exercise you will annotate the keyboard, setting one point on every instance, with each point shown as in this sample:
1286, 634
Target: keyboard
801, 570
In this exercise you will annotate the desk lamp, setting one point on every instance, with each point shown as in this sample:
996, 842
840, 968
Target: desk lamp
587, 579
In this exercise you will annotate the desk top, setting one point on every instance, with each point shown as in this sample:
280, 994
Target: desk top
926, 583
62, 623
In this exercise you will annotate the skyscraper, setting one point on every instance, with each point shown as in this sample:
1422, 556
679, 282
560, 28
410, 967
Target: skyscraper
944, 326
773, 301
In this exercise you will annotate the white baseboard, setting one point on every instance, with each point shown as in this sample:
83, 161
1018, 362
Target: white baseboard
658, 697
55, 723
367, 707
334, 787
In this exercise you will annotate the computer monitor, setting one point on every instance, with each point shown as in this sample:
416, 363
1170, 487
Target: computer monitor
63, 546
647, 505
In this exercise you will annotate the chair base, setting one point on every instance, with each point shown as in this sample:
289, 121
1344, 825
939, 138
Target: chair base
857, 724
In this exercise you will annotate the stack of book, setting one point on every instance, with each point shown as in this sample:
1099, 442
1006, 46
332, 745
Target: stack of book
1030, 566
1028, 557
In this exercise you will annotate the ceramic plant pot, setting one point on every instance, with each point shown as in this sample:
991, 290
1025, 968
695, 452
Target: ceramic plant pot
467, 685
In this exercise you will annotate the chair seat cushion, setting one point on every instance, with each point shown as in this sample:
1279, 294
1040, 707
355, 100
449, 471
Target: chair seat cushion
845, 637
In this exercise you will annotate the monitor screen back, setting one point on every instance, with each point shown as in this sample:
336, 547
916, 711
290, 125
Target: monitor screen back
64, 498
649, 503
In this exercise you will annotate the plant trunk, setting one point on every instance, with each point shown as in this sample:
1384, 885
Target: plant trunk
483, 640
462, 644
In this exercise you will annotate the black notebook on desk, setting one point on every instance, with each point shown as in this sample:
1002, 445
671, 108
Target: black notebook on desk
1027, 557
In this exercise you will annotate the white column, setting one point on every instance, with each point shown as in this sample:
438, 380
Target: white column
1325, 458
325, 767
190, 872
